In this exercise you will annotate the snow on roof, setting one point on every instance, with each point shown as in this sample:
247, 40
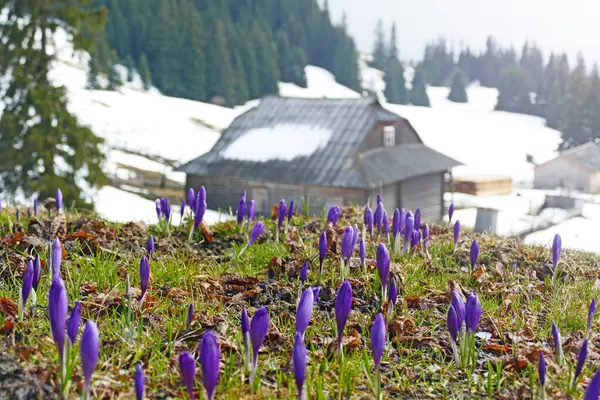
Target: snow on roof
264, 144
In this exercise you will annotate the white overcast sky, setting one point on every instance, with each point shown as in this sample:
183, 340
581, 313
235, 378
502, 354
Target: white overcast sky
559, 25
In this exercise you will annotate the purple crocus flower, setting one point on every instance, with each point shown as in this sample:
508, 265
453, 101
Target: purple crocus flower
251, 210
580, 361
304, 272
386, 223
459, 308
187, 369
59, 200
165, 206
299, 362
200, 195
542, 370
73, 322
322, 252
200, 207
304, 311
241, 209
396, 223
291, 211
450, 212
383, 267
402, 220
182, 209
409, 225
281, 213
590, 320
473, 312
259, 327
347, 241
426, 238
556, 249
37, 271
378, 335
158, 207
379, 200
557, 343
456, 233
139, 381
144, 277
474, 253
416, 236
246, 334
245, 324
89, 351
35, 206
27, 283
190, 317
369, 220
334, 215
256, 231
354, 237
343, 304
316, 290
593, 390
191, 198
57, 312
210, 356
362, 251
56, 257
378, 216
393, 291
453, 323
150, 245
418, 219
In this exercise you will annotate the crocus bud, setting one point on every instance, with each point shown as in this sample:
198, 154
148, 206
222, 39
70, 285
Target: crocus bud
426, 237
402, 219
557, 343
73, 323
408, 229
291, 210
241, 210
158, 207
343, 304
246, 336
166, 208
378, 216
590, 320
299, 362
259, 327
304, 272
593, 390
473, 312
191, 196
89, 351
396, 222
382, 259
144, 276
556, 249
474, 253
379, 200
57, 312
322, 250
304, 311
333, 215
281, 213
316, 290
35, 206
418, 219
245, 323
59, 200
190, 317
209, 362
354, 238
27, 283
459, 308
139, 381
453, 324
378, 335
456, 233
251, 210
56, 257
187, 369
362, 250
392, 292
450, 212
200, 195
542, 370
150, 245
416, 236
347, 240
200, 208
37, 271
385, 223
580, 361
256, 231
369, 220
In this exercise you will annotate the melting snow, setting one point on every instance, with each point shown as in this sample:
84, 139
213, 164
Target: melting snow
320, 84
280, 142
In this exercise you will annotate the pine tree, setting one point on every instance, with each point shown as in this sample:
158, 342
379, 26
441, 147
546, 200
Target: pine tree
193, 63
266, 57
93, 70
593, 103
514, 90
220, 77
114, 79
241, 88
345, 62
380, 54
117, 29
32, 142
298, 67
284, 53
418, 91
250, 67
145, 72
458, 92
129, 66
574, 124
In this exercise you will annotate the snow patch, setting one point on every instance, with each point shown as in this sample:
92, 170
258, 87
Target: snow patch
320, 84
264, 144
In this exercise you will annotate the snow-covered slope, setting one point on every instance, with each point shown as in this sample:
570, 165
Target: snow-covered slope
320, 83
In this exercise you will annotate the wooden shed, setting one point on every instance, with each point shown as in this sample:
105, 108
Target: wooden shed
324, 151
577, 168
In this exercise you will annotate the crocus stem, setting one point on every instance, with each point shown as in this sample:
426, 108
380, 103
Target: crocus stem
64, 367
390, 312
253, 373
455, 351
248, 358
285, 229
21, 305
191, 234
243, 249
299, 292
320, 273
382, 294
342, 269
378, 382
277, 234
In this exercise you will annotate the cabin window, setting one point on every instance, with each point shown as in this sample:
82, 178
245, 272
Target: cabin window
389, 136
261, 199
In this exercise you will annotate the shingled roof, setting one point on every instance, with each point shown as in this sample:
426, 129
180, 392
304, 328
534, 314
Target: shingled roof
342, 125
587, 155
